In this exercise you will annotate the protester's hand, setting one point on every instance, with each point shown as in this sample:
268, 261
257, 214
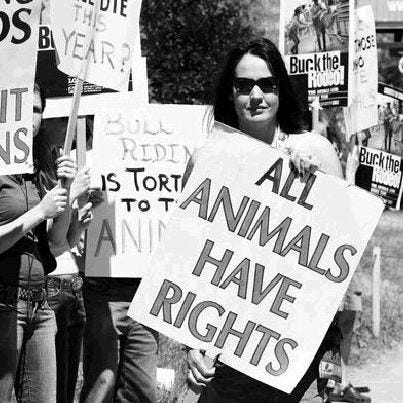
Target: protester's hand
54, 203
66, 169
96, 197
198, 375
85, 215
80, 185
302, 163
352, 164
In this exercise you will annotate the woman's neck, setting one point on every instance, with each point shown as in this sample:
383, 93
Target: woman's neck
265, 132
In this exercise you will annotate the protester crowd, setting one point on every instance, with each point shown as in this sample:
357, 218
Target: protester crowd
51, 315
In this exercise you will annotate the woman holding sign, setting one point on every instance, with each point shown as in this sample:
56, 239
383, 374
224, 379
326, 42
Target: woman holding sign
30, 218
254, 94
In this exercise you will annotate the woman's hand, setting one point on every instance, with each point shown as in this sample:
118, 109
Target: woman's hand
85, 215
54, 203
80, 185
96, 197
199, 375
66, 169
302, 163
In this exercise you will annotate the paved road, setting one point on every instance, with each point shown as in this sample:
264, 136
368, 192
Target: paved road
385, 378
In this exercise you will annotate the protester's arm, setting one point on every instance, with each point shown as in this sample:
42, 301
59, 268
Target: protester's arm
58, 227
310, 152
53, 204
80, 220
80, 185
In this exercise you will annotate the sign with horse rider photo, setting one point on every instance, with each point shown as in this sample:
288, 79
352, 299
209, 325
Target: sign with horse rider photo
316, 45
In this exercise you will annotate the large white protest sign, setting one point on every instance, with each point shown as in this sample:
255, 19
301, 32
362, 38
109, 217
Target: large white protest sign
18, 43
254, 262
101, 33
363, 112
139, 154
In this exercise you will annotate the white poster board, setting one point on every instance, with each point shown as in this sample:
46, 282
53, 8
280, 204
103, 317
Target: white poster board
100, 32
139, 155
251, 249
18, 45
363, 112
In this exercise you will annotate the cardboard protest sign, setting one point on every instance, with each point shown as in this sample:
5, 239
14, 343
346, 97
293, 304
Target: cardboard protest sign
363, 111
57, 83
314, 39
381, 149
101, 33
139, 155
18, 40
380, 173
387, 134
254, 262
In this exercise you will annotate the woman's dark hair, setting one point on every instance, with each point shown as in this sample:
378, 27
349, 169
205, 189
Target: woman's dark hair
290, 111
44, 155
38, 88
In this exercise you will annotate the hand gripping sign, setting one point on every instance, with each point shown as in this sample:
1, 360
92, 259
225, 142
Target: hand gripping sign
254, 262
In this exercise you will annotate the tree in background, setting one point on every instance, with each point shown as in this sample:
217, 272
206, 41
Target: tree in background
185, 42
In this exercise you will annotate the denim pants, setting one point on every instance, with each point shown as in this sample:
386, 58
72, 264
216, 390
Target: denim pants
27, 352
116, 344
70, 318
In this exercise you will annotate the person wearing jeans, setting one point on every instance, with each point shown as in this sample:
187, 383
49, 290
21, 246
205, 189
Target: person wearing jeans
66, 300
118, 351
27, 348
29, 219
64, 284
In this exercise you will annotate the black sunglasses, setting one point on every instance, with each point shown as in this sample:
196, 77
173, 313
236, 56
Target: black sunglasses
266, 84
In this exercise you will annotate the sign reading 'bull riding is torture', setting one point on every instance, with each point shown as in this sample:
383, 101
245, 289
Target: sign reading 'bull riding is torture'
254, 262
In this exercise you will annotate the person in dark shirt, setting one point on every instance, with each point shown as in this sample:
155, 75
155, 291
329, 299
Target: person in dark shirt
30, 217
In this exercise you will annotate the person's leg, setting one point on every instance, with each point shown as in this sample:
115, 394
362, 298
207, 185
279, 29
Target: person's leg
138, 359
37, 379
101, 346
76, 331
9, 350
60, 302
70, 317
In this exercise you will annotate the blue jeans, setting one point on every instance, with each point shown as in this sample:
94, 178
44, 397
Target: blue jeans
116, 344
27, 352
70, 318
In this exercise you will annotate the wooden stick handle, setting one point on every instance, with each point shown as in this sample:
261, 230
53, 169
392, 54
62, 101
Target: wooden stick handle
72, 123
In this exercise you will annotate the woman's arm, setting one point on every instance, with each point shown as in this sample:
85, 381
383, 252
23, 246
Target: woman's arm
53, 204
80, 219
311, 151
58, 227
